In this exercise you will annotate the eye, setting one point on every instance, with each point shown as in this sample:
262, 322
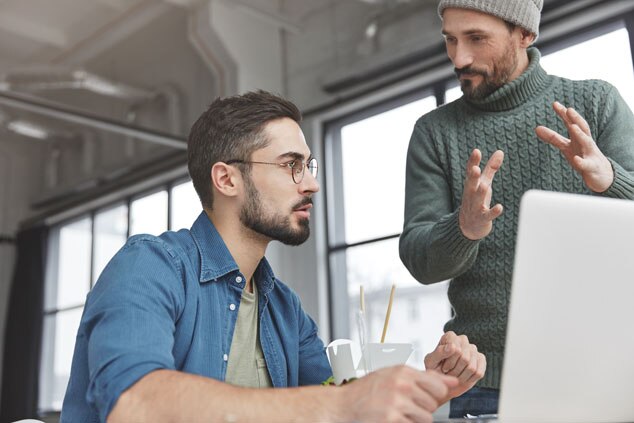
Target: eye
296, 166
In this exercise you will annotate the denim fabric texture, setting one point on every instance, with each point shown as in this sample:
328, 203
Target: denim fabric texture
476, 401
171, 302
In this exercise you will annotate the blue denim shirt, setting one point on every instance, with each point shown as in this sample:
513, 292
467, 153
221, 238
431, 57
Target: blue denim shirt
166, 303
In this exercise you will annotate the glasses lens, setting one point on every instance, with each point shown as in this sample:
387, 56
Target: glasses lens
312, 167
297, 171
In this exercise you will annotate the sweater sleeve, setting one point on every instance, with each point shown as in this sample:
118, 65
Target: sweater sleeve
432, 246
616, 142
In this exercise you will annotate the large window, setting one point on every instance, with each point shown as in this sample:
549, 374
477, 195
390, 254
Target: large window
366, 217
79, 251
366, 156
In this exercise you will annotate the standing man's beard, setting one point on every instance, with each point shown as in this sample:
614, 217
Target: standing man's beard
275, 227
502, 71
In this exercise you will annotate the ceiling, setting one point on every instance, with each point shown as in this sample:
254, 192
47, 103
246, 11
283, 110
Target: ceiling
91, 90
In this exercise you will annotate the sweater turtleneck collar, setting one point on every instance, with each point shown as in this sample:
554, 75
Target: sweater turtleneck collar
518, 91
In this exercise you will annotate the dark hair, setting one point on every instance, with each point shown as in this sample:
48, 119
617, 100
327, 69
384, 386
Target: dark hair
510, 25
232, 128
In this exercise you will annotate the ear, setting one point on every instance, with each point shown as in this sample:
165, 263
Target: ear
527, 38
225, 179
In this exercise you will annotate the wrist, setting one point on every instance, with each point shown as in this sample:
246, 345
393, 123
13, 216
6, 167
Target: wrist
340, 400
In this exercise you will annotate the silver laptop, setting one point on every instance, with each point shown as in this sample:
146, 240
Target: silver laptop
570, 338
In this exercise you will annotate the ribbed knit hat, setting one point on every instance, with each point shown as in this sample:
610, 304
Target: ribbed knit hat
524, 13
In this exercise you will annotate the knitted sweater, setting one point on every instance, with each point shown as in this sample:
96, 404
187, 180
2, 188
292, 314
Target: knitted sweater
432, 246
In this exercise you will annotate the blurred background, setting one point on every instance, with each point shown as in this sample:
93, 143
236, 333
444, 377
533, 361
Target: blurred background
96, 101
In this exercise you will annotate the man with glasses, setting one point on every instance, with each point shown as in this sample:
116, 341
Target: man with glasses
454, 226
184, 326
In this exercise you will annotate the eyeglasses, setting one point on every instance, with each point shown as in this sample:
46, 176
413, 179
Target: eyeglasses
298, 167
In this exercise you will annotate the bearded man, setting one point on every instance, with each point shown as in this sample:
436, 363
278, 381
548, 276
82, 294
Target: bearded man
454, 226
190, 325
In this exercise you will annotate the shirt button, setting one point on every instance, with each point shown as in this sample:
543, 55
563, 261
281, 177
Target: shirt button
232, 307
225, 357
239, 279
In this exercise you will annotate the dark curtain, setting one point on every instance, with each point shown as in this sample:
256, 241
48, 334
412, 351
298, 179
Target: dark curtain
23, 333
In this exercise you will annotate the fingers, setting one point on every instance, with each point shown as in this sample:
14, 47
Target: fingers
456, 363
571, 117
434, 359
480, 369
492, 166
478, 183
553, 138
456, 356
435, 384
472, 177
443, 350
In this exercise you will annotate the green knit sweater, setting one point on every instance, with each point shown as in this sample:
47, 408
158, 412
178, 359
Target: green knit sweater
432, 246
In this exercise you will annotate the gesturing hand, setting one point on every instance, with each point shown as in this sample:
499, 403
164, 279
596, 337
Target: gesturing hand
456, 356
580, 150
476, 214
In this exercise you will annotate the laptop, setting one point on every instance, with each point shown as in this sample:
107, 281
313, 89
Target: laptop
570, 339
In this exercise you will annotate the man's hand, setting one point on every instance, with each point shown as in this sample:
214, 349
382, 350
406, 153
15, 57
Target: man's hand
476, 214
580, 150
455, 356
396, 394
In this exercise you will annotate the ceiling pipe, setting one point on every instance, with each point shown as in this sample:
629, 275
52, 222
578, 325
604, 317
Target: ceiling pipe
58, 78
57, 111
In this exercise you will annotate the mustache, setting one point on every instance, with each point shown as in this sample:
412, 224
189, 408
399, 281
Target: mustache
305, 201
469, 71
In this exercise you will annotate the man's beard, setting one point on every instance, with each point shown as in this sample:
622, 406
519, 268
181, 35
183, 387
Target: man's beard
502, 71
275, 227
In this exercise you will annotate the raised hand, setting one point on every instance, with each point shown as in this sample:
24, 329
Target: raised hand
476, 214
455, 356
580, 150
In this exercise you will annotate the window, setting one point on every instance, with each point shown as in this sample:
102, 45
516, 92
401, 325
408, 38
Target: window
111, 230
66, 289
185, 206
79, 250
364, 229
148, 215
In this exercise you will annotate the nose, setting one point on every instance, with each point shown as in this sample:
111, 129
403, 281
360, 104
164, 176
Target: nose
461, 57
309, 184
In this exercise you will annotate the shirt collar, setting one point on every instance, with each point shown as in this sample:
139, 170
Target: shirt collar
216, 260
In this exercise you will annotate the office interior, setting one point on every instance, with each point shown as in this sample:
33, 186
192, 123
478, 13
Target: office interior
96, 101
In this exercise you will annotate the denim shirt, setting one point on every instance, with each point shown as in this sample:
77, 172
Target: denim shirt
171, 302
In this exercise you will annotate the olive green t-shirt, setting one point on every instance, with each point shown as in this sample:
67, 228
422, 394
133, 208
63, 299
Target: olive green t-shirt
246, 366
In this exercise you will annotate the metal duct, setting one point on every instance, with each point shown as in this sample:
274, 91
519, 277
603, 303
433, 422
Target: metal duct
40, 79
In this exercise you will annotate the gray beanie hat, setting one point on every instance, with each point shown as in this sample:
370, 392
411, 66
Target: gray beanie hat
524, 13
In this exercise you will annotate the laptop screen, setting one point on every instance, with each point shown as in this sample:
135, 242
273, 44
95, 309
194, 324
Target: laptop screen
570, 337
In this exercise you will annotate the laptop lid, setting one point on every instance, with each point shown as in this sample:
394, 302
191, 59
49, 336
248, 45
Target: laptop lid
570, 338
